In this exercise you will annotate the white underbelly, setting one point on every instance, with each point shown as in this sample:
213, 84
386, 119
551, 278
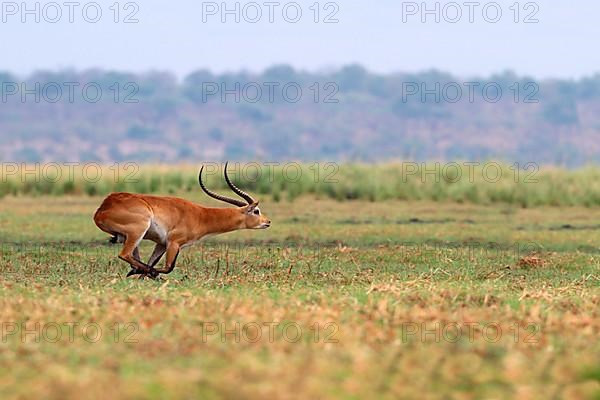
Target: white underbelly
156, 232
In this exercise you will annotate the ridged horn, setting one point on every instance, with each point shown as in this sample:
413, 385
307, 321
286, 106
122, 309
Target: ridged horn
237, 190
217, 196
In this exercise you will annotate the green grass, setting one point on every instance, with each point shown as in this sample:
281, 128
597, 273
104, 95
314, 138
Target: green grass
364, 281
487, 184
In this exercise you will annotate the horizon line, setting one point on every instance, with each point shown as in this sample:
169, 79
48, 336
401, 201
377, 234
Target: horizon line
301, 70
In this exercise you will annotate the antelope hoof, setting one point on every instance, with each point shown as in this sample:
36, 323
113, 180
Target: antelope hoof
153, 274
133, 272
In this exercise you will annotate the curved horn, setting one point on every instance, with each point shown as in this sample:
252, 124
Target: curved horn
217, 196
237, 190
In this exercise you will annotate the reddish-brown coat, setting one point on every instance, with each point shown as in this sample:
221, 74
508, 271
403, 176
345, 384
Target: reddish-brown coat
135, 217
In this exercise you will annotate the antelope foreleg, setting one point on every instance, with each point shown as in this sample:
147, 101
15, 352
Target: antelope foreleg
172, 253
128, 255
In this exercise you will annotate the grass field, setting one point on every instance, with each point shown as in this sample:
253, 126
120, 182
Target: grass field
357, 299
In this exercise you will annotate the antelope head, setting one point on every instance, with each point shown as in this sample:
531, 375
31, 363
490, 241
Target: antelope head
253, 218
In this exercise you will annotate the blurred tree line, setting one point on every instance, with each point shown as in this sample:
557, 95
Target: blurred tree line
283, 113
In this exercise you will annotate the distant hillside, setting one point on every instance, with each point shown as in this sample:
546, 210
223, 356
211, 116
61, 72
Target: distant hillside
349, 114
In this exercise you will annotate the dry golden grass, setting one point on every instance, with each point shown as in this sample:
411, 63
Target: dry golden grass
388, 285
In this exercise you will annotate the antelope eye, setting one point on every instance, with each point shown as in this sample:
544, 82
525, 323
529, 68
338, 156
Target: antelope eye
256, 212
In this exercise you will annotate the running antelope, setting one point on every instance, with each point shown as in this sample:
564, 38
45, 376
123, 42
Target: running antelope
171, 223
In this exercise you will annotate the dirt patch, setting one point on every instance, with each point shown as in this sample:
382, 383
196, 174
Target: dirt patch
418, 221
531, 261
569, 227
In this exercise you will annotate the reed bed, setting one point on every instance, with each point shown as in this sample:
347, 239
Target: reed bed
487, 183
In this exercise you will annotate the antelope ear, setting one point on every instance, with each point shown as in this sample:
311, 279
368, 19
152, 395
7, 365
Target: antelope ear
251, 207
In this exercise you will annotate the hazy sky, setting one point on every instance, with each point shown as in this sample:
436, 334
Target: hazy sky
173, 36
